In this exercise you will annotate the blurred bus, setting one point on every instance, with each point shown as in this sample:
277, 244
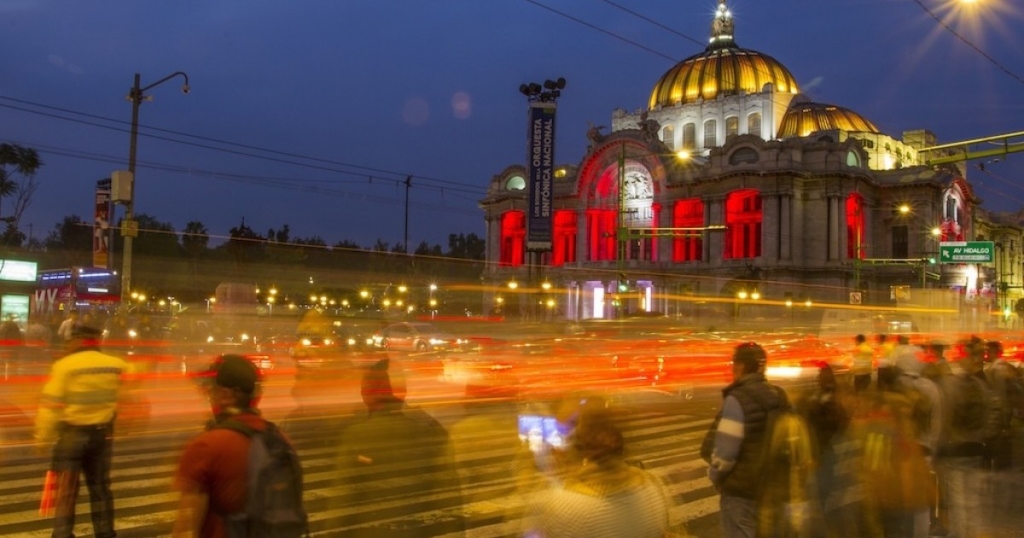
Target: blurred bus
59, 291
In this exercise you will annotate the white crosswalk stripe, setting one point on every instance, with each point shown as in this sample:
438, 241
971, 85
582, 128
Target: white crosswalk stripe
145, 503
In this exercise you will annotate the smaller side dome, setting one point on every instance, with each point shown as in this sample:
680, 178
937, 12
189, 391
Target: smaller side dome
804, 118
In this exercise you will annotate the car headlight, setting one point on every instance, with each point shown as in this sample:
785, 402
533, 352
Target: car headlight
132, 333
328, 341
306, 342
461, 341
351, 341
436, 341
209, 339
245, 337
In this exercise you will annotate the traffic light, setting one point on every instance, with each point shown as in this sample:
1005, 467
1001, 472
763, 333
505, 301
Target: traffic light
623, 283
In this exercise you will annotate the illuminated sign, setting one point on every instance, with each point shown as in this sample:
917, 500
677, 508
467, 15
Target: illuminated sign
966, 251
17, 271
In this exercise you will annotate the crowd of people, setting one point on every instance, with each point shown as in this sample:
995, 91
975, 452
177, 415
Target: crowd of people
912, 442
905, 444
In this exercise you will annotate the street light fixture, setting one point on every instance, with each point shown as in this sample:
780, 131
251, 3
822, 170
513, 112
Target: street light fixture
130, 228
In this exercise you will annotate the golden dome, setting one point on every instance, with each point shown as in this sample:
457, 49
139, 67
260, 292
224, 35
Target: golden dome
804, 118
722, 69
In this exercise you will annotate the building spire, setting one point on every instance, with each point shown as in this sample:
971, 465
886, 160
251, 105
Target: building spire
722, 27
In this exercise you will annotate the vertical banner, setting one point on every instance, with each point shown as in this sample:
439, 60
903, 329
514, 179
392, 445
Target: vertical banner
541, 158
101, 226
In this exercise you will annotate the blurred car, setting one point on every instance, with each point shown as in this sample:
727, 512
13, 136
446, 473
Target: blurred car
352, 337
420, 337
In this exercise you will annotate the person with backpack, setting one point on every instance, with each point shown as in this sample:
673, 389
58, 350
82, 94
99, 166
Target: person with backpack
736, 444
970, 412
241, 476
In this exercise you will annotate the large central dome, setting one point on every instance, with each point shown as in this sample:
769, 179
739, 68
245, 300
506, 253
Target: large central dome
722, 69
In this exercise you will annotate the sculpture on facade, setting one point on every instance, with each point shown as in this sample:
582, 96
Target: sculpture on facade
594, 133
649, 127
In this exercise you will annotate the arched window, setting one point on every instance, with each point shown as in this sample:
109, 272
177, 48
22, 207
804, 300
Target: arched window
564, 238
513, 235
688, 245
710, 134
732, 126
744, 156
754, 124
668, 136
743, 225
855, 227
690, 136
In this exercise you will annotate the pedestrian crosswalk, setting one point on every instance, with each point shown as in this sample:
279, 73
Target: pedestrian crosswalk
488, 506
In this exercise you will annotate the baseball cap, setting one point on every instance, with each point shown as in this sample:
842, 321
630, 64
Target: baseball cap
235, 372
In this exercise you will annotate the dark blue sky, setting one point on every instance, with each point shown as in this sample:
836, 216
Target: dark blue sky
332, 93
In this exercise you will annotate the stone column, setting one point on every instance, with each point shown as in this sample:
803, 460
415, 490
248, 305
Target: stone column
770, 227
786, 227
833, 228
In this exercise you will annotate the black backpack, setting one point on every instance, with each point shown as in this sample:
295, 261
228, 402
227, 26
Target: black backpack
273, 508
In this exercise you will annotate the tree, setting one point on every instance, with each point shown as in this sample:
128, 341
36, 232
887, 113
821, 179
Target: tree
425, 249
71, 237
346, 244
17, 160
156, 238
468, 247
195, 239
244, 244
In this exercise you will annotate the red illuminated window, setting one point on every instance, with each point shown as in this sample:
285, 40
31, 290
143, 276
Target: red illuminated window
855, 226
564, 240
513, 236
743, 225
688, 246
601, 230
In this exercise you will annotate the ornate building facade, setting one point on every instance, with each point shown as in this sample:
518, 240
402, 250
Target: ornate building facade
731, 183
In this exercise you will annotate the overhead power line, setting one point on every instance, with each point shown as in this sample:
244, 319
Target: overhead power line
967, 42
359, 170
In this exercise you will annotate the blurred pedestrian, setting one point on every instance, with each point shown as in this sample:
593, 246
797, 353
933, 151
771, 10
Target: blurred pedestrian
734, 445
76, 415
969, 412
828, 420
925, 400
489, 428
863, 363
64, 332
213, 473
897, 481
1004, 380
395, 454
604, 496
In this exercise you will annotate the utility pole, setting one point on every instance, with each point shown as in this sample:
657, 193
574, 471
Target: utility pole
408, 185
130, 228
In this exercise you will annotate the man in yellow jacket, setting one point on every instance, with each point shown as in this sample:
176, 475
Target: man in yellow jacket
76, 416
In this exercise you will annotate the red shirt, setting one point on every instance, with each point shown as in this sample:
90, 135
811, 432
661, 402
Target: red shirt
215, 462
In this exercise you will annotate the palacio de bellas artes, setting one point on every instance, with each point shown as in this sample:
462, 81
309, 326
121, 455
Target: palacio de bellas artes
733, 197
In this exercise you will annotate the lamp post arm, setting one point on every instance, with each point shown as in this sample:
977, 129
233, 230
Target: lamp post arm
161, 81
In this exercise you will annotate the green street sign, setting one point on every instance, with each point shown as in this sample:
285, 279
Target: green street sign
966, 251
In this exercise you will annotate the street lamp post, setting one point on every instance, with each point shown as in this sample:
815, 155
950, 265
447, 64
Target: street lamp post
129, 229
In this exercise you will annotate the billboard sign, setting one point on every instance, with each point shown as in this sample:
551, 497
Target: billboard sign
541, 165
101, 227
